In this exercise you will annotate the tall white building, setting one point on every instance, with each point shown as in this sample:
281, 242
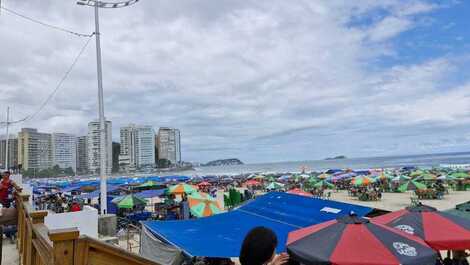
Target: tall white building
34, 149
82, 155
169, 145
137, 147
93, 142
64, 150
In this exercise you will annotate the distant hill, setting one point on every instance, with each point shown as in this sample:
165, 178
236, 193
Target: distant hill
336, 158
224, 162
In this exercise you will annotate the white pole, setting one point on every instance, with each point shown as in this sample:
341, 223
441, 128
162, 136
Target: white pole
102, 129
6, 142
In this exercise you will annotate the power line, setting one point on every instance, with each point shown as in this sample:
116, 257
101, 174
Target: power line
58, 86
45, 24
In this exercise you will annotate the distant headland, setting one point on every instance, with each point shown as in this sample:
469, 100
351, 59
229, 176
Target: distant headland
224, 162
336, 157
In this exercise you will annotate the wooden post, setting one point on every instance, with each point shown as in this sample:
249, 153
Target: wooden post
21, 234
63, 245
37, 217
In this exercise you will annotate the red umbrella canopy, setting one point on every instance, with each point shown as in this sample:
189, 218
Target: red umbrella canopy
204, 184
440, 230
252, 183
298, 191
351, 240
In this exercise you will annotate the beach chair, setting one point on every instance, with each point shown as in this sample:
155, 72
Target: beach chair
414, 201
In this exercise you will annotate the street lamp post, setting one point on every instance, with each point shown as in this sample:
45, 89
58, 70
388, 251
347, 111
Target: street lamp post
103, 150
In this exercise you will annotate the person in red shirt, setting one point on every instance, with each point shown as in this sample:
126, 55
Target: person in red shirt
5, 189
75, 207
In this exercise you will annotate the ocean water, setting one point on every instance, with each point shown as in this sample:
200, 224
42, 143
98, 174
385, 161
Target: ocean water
425, 161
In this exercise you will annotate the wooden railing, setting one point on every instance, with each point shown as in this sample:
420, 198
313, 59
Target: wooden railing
37, 245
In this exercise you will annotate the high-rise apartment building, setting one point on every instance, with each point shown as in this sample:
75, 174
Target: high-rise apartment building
82, 155
93, 142
12, 152
34, 149
169, 145
64, 151
137, 147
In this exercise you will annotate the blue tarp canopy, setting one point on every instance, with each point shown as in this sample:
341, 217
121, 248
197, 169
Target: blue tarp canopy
222, 235
151, 193
96, 193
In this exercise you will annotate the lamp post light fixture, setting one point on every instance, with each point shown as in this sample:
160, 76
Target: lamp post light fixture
102, 120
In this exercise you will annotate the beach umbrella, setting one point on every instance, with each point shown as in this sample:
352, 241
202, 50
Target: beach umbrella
271, 179
401, 178
440, 230
427, 177
300, 192
324, 184
275, 186
259, 177
148, 184
284, 177
351, 240
252, 182
462, 210
129, 201
203, 205
459, 175
362, 181
204, 184
323, 176
416, 173
181, 188
412, 185
305, 176
312, 180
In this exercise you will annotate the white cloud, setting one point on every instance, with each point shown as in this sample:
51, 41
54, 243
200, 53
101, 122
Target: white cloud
225, 72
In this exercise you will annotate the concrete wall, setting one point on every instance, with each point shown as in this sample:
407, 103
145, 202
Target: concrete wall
86, 221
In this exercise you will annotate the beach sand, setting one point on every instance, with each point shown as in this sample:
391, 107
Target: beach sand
398, 201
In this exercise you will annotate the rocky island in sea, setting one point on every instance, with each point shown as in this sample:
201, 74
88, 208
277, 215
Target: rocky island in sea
336, 157
224, 162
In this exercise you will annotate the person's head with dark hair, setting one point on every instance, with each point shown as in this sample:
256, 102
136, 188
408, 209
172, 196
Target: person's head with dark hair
258, 247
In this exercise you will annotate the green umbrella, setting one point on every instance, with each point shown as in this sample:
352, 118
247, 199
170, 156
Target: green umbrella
400, 178
312, 180
275, 186
324, 184
426, 176
148, 184
362, 181
459, 175
416, 173
271, 179
130, 201
412, 185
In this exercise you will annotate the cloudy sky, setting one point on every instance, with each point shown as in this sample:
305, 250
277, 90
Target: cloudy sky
261, 80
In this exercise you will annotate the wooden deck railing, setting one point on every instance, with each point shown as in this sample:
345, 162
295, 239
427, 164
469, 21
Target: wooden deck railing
37, 245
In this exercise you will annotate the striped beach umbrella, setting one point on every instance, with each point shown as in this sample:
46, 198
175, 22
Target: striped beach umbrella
351, 240
182, 188
440, 230
203, 205
412, 185
324, 184
362, 181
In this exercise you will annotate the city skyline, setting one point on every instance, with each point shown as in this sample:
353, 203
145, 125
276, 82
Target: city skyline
282, 81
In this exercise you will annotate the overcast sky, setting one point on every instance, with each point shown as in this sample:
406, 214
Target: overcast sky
260, 80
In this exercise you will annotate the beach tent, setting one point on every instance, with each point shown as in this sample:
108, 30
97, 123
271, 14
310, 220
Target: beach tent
150, 193
285, 177
411, 185
96, 193
440, 230
223, 234
353, 240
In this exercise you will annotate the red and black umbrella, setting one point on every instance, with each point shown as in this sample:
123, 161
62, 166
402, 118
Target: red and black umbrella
351, 240
440, 230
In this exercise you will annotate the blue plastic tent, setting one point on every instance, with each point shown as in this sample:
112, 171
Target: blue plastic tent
222, 235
